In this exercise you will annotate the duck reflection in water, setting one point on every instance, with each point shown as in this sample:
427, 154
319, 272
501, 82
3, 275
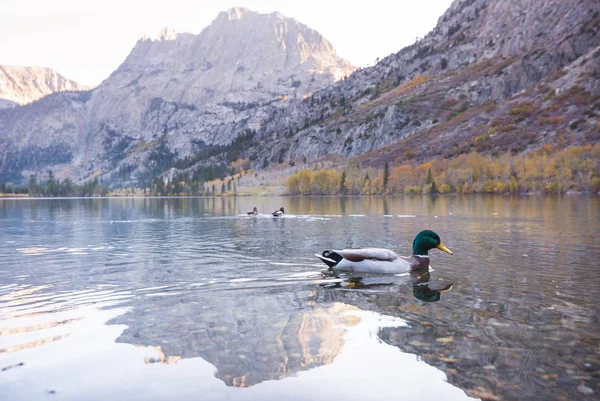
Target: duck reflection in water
423, 292
419, 281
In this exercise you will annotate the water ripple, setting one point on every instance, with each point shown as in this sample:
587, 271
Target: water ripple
182, 282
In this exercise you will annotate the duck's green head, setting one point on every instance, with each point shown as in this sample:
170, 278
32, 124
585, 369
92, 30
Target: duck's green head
426, 240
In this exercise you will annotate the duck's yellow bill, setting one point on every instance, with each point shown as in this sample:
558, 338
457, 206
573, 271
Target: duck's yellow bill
443, 248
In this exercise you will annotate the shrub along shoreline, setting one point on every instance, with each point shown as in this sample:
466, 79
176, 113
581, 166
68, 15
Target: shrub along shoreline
546, 170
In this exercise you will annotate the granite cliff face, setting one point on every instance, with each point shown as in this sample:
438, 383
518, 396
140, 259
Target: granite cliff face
492, 76
192, 85
23, 85
177, 91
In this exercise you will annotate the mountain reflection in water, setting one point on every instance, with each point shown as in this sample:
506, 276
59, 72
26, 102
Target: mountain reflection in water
312, 350
152, 299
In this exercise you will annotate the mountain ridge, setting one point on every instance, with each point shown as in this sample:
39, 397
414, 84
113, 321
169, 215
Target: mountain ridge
23, 85
463, 83
181, 89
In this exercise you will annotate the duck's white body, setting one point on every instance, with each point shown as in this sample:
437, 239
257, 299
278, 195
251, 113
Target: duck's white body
371, 260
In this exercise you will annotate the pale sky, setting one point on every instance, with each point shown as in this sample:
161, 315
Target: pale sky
86, 40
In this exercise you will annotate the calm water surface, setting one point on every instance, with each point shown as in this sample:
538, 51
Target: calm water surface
190, 299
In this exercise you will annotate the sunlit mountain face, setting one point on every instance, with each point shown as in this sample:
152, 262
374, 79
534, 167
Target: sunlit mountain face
24, 85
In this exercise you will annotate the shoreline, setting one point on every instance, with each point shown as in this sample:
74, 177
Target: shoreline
522, 194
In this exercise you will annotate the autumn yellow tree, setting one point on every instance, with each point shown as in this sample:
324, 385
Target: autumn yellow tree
305, 181
400, 177
325, 182
548, 169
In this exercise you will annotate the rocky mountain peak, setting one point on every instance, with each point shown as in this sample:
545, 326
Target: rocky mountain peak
245, 40
166, 34
241, 51
236, 13
23, 85
180, 90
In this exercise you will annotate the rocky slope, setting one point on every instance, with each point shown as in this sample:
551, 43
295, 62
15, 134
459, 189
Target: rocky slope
23, 85
486, 78
177, 93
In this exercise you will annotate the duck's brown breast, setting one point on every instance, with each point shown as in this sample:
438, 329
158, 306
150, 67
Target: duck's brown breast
418, 262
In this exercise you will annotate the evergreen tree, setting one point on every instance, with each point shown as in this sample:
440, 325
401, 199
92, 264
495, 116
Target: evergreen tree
386, 176
433, 189
158, 186
366, 190
177, 186
67, 187
51, 184
95, 188
343, 183
429, 178
32, 185
223, 188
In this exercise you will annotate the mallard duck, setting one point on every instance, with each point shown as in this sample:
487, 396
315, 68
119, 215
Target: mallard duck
377, 260
278, 213
254, 211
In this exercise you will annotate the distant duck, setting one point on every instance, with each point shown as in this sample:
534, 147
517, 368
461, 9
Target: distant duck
377, 260
278, 213
254, 211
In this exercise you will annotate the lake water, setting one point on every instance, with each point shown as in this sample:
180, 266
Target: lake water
190, 299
